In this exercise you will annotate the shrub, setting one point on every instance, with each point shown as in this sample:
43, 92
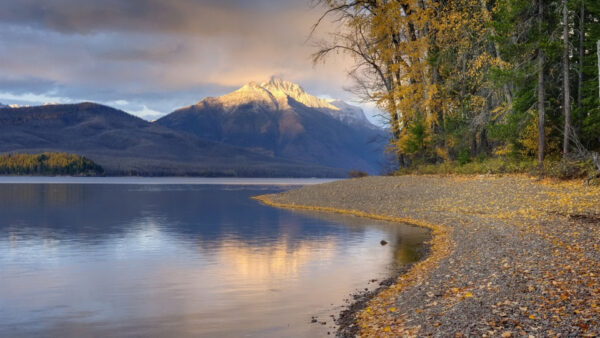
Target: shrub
552, 168
464, 157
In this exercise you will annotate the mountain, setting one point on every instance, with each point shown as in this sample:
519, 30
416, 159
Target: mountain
278, 118
124, 144
3, 105
349, 114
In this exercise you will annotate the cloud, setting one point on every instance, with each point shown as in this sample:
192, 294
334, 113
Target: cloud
197, 17
157, 54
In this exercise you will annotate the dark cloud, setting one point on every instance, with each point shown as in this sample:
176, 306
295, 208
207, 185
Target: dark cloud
26, 85
158, 16
155, 55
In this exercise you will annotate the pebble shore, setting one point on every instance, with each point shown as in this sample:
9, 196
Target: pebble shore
510, 256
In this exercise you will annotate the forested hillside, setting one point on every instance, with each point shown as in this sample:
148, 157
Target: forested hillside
48, 164
126, 145
466, 79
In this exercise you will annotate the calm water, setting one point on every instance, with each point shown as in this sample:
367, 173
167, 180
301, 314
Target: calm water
186, 259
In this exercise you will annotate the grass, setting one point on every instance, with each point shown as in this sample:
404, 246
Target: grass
552, 168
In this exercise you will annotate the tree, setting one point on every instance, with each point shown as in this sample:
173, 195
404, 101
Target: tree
464, 56
566, 77
581, 55
541, 96
389, 43
588, 117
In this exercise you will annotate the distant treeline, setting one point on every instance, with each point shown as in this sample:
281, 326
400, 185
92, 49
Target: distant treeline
48, 164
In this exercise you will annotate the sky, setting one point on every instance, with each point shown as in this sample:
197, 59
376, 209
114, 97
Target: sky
150, 57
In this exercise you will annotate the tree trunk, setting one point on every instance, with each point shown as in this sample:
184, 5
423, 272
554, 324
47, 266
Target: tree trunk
541, 93
580, 73
566, 89
598, 52
483, 143
396, 128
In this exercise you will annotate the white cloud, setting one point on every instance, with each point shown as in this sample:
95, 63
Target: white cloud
32, 99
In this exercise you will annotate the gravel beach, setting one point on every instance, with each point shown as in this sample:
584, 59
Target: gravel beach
510, 256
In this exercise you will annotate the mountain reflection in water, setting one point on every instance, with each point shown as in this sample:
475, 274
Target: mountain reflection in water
180, 260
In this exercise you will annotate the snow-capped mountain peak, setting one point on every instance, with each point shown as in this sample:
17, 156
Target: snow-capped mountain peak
275, 95
249, 93
282, 89
14, 105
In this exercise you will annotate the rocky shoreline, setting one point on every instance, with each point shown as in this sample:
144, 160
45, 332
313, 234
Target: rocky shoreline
510, 256
347, 321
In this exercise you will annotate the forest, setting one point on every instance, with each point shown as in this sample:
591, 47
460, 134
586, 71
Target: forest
48, 164
477, 81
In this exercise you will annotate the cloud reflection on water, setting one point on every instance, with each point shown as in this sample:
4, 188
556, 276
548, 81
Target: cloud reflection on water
106, 260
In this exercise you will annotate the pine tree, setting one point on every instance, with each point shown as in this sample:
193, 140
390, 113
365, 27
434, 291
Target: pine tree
566, 78
541, 90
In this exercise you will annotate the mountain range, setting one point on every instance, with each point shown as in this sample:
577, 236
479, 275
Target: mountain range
270, 129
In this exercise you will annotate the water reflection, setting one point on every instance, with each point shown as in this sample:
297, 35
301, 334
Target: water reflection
179, 260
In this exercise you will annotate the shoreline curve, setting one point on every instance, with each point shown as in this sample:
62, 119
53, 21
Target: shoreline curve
509, 255
439, 246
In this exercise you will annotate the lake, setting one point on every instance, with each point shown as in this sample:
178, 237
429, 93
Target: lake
181, 257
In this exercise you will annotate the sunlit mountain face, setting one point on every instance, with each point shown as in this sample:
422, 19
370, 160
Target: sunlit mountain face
278, 118
279, 95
